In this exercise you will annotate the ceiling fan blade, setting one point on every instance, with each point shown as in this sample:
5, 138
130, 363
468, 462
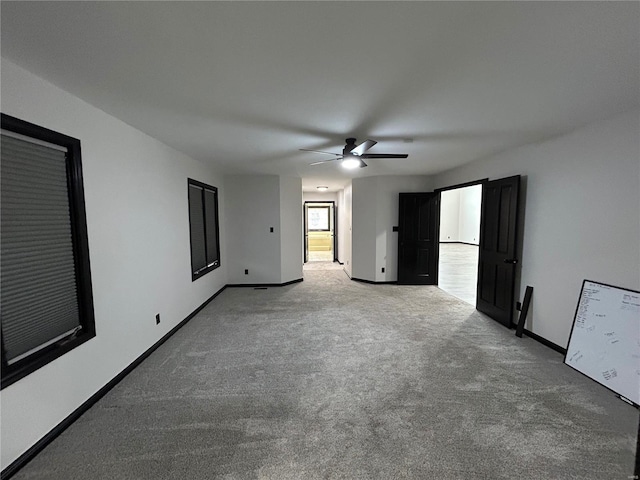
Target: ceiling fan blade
384, 155
363, 147
326, 161
362, 164
319, 151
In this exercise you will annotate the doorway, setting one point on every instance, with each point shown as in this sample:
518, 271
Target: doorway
460, 212
320, 231
419, 235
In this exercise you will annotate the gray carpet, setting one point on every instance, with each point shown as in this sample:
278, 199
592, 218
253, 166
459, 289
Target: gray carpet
334, 379
319, 265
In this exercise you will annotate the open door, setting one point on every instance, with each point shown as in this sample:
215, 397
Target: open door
319, 219
497, 256
305, 233
418, 239
335, 233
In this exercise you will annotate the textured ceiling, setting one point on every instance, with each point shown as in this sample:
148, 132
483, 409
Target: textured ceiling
244, 85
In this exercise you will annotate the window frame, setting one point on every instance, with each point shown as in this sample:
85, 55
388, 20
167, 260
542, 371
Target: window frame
198, 273
328, 220
80, 247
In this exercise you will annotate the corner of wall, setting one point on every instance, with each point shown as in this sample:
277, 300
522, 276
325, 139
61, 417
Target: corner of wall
291, 226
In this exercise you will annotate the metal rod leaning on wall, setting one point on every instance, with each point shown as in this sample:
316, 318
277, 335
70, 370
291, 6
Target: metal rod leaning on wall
523, 314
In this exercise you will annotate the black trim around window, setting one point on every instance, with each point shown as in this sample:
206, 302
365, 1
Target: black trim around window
328, 220
205, 240
80, 245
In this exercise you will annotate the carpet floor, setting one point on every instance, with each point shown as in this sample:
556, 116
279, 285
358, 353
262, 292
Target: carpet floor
335, 379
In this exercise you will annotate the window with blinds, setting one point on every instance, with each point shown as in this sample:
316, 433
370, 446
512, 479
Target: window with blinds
203, 228
45, 299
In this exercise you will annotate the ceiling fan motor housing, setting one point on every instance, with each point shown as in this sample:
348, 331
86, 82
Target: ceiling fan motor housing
350, 145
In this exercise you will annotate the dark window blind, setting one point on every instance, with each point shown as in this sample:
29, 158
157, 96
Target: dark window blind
203, 228
39, 302
211, 209
196, 222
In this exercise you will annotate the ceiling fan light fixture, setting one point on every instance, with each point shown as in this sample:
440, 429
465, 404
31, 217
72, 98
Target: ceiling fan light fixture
353, 155
351, 163
322, 188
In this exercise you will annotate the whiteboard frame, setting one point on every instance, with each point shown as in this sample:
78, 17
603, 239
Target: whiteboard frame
575, 317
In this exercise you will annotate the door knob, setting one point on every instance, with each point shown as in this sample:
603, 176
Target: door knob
511, 260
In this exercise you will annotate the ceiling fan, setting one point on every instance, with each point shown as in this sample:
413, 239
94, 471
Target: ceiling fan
352, 155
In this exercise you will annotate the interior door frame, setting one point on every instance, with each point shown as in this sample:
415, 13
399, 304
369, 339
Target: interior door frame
332, 218
483, 182
518, 224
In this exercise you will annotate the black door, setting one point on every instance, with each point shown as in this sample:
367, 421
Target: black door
418, 239
335, 233
497, 257
306, 233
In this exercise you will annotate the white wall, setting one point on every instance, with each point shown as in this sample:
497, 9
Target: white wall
460, 214
347, 234
363, 223
252, 208
138, 232
375, 213
255, 204
291, 225
343, 229
581, 215
388, 189
450, 216
470, 209
319, 196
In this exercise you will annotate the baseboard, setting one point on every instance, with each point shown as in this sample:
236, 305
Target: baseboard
27, 456
362, 280
258, 285
545, 342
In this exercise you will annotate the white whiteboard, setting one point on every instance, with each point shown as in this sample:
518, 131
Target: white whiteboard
605, 338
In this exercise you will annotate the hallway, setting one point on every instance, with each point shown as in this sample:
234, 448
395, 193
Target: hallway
321, 255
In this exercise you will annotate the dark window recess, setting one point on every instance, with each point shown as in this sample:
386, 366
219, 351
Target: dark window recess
203, 228
46, 297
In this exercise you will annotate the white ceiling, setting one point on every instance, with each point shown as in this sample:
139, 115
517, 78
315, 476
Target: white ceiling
244, 85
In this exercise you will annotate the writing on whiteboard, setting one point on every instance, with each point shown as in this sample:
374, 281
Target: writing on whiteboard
631, 303
576, 356
612, 339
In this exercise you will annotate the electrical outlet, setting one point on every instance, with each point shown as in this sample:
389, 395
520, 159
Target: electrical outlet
157, 319
246, 271
382, 269
271, 229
